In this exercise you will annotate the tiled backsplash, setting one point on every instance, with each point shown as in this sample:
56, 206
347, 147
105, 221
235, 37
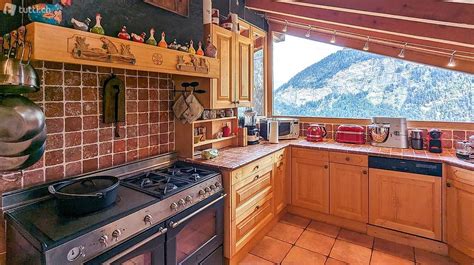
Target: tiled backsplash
449, 137
78, 141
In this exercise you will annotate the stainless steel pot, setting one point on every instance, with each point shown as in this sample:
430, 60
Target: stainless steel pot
379, 132
20, 119
18, 77
23, 148
21, 162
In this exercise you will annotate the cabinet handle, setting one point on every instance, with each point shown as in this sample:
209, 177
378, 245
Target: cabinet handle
256, 168
326, 166
257, 207
364, 172
257, 177
348, 159
448, 184
281, 156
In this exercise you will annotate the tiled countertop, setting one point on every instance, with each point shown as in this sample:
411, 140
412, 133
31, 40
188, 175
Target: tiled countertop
235, 157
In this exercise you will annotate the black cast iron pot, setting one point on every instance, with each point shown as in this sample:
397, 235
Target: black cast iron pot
85, 195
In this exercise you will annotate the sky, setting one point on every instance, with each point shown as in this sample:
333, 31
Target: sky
295, 54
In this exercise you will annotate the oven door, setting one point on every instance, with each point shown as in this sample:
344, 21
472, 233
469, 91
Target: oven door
147, 248
197, 233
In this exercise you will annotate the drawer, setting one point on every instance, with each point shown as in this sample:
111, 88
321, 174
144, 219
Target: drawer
252, 168
349, 159
249, 187
252, 205
310, 154
459, 174
248, 226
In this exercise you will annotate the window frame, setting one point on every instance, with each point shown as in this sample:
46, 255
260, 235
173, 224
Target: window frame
468, 126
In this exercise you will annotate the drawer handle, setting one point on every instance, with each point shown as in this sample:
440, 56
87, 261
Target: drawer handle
364, 172
256, 168
448, 184
257, 177
326, 166
281, 156
348, 159
257, 207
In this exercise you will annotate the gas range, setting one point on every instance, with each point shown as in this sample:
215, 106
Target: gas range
151, 192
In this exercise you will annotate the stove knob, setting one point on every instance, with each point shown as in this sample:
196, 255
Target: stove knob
207, 189
148, 219
181, 202
201, 192
189, 198
174, 206
103, 240
218, 184
116, 234
213, 187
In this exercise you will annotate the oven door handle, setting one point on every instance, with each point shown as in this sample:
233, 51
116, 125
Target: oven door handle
177, 223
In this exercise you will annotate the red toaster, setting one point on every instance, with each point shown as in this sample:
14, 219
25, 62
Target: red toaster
348, 133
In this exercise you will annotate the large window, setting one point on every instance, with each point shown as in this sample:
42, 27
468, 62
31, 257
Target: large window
322, 80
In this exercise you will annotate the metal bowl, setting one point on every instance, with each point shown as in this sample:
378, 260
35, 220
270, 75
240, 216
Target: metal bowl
379, 132
21, 162
24, 147
17, 77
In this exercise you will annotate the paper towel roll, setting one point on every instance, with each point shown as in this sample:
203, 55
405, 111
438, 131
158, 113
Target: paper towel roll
207, 12
273, 139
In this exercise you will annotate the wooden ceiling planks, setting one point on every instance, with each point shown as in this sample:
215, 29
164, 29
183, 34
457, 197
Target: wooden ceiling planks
425, 30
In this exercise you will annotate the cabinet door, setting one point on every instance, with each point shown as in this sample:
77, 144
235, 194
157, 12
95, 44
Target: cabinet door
310, 184
460, 213
244, 65
280, 193
223, 88
349, 192
405, 202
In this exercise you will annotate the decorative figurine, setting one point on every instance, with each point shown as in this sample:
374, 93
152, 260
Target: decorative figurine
191, 49
162, 42
211, 50
98, 29
66, 3
152, 40
139, 38
174, 45
123, 34
184, 48
84, 26
46, 13
199, 50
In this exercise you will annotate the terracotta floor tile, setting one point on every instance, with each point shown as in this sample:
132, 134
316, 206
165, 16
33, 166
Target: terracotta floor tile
323, 228
350, 253
394, 249
292, 219
380, 258
301, 256
271, 249
315, 242
254, 260
286, 232
425, 257
356, 238
331, 261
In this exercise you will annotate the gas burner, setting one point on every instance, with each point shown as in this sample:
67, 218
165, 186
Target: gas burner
195, 177
174, 171
146, 182
166, 187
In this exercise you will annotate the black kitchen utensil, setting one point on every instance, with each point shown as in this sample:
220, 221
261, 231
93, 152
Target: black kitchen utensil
114, 102
85, 195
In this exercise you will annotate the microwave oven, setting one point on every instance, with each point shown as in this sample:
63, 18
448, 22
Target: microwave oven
288, 128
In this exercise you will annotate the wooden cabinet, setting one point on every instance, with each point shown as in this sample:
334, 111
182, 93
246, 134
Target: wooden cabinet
281, 181
406, 202
349, 192
244, 65
460, 210
309, 182
235, 86
222, 89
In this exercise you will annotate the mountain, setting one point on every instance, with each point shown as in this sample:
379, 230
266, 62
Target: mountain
355, 84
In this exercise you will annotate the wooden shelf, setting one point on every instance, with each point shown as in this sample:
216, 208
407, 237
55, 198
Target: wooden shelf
214, 141
218, 119
65, 45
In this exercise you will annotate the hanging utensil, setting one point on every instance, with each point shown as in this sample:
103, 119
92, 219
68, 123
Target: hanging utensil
17, 77
114, 102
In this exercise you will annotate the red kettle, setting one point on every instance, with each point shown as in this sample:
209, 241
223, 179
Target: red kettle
316, 133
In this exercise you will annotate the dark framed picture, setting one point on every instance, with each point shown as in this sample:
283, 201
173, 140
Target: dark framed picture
180, 7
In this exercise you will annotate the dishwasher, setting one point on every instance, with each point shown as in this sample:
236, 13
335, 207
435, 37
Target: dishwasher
405, 195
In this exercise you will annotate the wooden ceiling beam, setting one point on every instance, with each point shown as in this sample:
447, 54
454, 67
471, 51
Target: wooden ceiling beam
436, 11
441, 33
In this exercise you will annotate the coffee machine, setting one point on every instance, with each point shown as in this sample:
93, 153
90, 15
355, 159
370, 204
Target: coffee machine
250, 122
389, 132
434, 143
